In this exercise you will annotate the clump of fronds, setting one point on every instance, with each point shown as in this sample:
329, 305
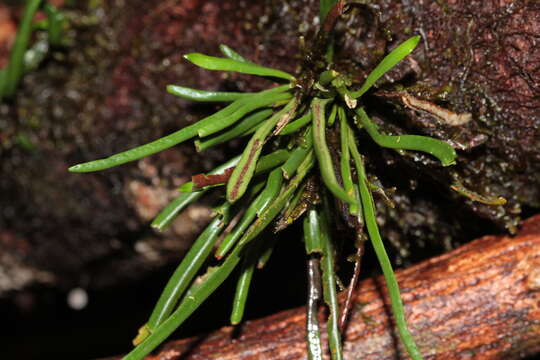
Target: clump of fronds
285, 172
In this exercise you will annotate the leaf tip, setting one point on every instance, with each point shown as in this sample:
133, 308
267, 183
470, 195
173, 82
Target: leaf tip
76, 168
189, 57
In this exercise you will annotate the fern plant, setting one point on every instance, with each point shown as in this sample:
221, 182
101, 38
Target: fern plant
287, 171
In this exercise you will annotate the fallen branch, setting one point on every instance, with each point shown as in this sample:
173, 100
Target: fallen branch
480, 300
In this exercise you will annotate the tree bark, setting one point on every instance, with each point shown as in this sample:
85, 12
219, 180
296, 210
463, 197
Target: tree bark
479, 301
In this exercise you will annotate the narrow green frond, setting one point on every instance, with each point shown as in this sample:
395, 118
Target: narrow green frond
323, 153
197, 294
56, 21
312, 233
185, 272
345, 159
207, 126
246, 105
389, 61
441, 150
225, 64
276, 206
296, 124
231, 54
243, 172
368, 207
298, 155
264, 199
157, 145
238, 130
204, 95
247, 268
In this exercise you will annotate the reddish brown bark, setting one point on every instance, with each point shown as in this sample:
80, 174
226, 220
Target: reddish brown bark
479, 301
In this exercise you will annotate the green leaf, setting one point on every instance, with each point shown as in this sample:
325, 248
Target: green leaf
323, 153
197, 294
296, 124
312, 233
208, 125
238, 130
273, 186
297, 156
441, 150
243, 172
185, 272
389, 61
244, 281
223, 64
56, 21
370, 217
246, 105
231, 54
204, 95
157, 145
345, 159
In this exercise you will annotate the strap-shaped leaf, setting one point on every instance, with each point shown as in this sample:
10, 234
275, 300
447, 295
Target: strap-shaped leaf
298, 155
208, 125
243, 172
441, 150
157, 145
270, 192
185, 272
345, 159
296, 124
205, 95
370, 217
244, 281
246, 105
198, 293
231, 54
223, 64
238, 130
323, 153
389, 61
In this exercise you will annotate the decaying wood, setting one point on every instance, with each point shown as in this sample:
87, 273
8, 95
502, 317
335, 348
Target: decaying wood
479, 301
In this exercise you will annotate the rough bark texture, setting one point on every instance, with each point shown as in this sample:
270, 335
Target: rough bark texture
479, 301
106, 94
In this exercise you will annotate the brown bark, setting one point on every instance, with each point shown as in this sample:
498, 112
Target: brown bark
479, 301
